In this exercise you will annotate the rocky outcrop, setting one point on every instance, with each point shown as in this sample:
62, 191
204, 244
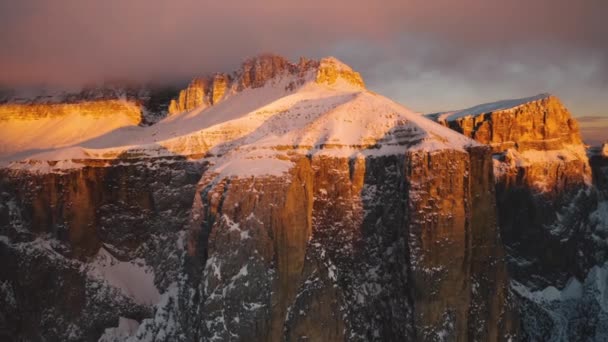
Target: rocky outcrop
220, 85
82, 248
255, 72
191, 97
201, 92
330, 70
386, 248
152, 100
537, 123
551, 210
96, 109
542, 171
260, 71
599, 164
454, 225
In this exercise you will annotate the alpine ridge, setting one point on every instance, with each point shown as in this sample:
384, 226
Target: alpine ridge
255, 73
286, 202
280, 202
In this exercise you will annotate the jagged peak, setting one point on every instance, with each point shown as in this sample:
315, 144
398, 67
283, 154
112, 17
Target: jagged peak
261, 70
331, 69
335, 63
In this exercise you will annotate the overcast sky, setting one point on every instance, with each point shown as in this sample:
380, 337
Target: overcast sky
428, 55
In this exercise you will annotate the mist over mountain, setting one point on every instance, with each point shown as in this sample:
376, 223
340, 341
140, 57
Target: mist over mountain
413, 52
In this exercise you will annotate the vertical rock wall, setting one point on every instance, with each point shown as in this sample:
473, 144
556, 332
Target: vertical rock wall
383, 248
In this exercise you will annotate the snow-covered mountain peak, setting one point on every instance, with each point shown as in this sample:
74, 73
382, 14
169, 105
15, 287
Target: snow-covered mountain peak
329, 112
269, 108
265, 70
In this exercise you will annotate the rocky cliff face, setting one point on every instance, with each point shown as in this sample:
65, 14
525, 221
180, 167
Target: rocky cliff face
388, 233
151, 101
551, 211
292, 205
599, 163
258, 72
96, 109
536, 123
82, 248
353, 249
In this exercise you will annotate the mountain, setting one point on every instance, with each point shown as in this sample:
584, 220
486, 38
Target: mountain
281, 202
551, 202
152, 99
285, 201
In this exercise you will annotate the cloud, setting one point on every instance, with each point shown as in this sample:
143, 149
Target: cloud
594, 128
595, 136
73, 40
432, 55
590, 119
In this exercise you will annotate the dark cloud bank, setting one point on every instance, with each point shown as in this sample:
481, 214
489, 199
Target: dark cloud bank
430, 55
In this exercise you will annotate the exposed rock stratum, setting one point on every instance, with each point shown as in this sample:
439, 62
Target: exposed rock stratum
286, 202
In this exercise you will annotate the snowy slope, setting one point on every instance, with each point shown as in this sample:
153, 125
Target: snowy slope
486, 108
338, 117
57, 132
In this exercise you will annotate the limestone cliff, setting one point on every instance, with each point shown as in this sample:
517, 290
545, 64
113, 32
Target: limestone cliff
96, 109
382, 227
536, 142
330, 70
86, 248
536, 123
258, 72
551, 205
297, 205
387, 248
599, 163
541, 167
191, 97
152, 99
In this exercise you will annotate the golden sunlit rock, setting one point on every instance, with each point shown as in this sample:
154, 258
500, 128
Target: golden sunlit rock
191, 97
541, 124
331, 69
257, 72
97, 109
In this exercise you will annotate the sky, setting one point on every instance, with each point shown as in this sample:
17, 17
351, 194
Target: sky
429, 55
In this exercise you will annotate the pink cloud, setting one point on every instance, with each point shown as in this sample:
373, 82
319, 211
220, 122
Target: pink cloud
76, 41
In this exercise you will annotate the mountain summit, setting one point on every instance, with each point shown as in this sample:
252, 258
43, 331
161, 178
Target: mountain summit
258, 72
268, 103
283, 201
286, 202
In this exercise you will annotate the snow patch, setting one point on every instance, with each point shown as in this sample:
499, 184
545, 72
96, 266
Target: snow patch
133, 278
126, 327
243, 166
488, 108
